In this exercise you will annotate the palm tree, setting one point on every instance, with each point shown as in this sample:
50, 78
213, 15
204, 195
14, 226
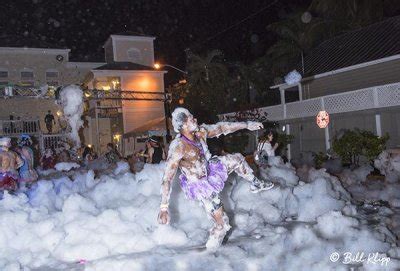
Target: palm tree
207, 81
296, 38
201, 68
356, 13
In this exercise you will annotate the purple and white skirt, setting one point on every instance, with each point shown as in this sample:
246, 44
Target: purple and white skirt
204, 187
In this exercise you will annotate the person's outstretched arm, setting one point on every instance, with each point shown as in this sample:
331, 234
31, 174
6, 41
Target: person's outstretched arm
175, 154
224, 128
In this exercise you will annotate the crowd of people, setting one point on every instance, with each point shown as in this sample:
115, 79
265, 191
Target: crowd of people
16, 163
20, 161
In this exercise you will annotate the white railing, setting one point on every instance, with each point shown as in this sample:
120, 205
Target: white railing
362, 99
17, 127
52, 141
21, 91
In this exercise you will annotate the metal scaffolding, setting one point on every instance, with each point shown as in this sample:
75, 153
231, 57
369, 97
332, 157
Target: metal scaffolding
89, 94
127, 95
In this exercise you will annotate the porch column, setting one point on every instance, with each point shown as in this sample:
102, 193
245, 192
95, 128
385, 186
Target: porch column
378, 125
289, 152
300, 92
327, 139
283, 102
282, 91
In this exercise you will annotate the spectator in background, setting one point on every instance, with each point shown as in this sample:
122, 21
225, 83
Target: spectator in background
112, 154
49, 120
154, 152
27, 172
88, 155
12, 125
265, 149
48, 160
9, 164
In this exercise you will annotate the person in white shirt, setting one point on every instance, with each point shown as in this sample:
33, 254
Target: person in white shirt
265, 149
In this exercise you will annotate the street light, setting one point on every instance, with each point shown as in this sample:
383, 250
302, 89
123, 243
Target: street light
167, 110
158, 66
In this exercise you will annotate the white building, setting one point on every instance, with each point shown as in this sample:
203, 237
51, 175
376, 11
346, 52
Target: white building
128, 66
355, 77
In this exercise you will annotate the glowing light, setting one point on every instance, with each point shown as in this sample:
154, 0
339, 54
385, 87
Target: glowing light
87, 94
115, 83
89, 145
157, 66
106, 87
59, 113
117, 137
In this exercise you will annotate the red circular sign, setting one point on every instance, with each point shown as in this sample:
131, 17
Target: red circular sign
322, 119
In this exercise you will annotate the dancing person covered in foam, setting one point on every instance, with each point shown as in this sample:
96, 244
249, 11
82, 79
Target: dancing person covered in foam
27, 172
203, 177
9, 164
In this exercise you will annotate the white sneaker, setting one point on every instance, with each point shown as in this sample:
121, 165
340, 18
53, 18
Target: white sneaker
216, 237
258, 185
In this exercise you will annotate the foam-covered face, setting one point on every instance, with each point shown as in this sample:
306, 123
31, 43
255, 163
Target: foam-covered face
191, 124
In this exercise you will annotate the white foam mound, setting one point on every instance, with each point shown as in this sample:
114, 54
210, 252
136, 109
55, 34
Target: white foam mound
66, 166
72, 102
110, 224
389, 165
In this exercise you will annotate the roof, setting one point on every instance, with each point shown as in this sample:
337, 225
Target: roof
152, 127
21, 41
376, 41
126, 66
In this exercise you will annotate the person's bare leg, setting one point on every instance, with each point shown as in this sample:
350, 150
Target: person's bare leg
237, 163
219, 230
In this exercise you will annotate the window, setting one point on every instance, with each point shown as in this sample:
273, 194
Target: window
52, 74
52, 83
3, 74
134, 55
26, 74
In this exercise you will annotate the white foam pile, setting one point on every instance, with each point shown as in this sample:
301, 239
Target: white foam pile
66, 166
110, 224
72, 102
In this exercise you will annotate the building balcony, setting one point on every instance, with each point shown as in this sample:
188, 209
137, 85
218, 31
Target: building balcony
24, 91
13, 128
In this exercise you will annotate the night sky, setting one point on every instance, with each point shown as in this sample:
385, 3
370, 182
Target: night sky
84, 25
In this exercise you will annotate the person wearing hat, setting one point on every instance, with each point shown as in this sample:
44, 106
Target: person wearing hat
155, 152
9, 163
27, 172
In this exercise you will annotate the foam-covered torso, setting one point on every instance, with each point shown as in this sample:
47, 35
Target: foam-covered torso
194, 160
